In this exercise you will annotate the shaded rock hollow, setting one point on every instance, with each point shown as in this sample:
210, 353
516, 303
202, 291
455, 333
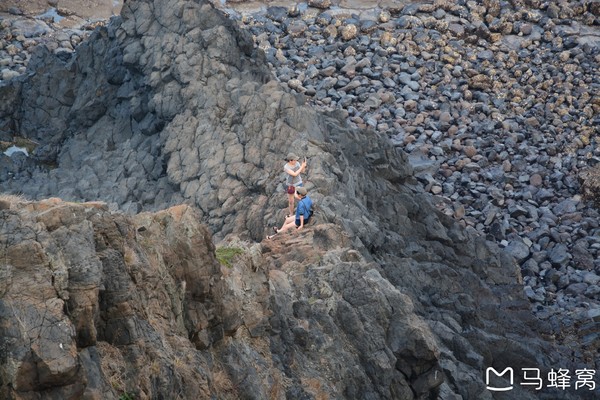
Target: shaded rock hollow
178, 107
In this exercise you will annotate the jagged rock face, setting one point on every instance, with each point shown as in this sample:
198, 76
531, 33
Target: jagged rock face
98, 305
382, 298
88, 297
119, 96
178, 107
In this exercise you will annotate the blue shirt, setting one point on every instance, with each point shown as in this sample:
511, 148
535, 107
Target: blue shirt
304, 208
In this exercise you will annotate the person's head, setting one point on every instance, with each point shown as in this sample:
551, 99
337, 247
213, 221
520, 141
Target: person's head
291, 157
301, 191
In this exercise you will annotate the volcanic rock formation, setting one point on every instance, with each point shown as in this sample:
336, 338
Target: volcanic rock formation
383, 297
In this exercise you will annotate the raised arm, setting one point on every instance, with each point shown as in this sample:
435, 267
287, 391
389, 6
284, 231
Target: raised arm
296, 173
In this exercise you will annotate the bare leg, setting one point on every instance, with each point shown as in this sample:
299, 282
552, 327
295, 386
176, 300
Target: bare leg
291, 203
287, 224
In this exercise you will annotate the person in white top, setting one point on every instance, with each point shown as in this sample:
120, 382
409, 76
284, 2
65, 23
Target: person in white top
293, 168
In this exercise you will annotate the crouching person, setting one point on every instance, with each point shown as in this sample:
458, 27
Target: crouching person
303, 213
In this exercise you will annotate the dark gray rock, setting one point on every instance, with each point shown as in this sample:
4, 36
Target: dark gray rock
531, 267
30, 28
582, 257
577, 288
559, 255
591, 278
518, 249
593, 292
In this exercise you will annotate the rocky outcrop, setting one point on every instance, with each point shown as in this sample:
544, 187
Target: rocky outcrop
96, 305
103, 305
384, 297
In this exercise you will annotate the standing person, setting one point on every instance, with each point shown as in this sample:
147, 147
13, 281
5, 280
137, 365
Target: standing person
303, 213
293, 169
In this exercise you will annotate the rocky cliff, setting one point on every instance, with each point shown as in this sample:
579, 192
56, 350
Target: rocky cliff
384, 297
100, 305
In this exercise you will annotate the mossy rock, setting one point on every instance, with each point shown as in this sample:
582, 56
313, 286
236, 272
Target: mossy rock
225, 255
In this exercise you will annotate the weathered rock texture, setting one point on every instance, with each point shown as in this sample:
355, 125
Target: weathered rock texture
383, 297
98, 305
95, 305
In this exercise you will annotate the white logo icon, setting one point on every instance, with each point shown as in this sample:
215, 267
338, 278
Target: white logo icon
508, 370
